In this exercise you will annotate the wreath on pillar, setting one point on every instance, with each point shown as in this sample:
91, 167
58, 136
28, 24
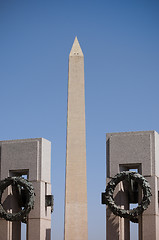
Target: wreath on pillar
131, 214
22, 185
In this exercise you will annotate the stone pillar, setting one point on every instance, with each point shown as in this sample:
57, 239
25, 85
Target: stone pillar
76, 183
134, 150
31, 157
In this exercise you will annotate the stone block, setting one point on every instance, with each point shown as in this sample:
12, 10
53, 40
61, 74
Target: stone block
20, 155
31, 157
45, 160
134, 150
39, 229
149, 227
153, 207
156, 164
130, 149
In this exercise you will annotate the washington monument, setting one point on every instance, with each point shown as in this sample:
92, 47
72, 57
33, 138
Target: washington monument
76, 180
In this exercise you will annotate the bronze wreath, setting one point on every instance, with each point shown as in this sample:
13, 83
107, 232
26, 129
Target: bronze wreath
29, 201
133, 213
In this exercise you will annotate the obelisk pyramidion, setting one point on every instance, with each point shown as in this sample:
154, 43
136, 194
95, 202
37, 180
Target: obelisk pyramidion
76, 181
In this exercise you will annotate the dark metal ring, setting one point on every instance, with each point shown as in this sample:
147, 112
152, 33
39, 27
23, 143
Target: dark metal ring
133, 213
29, 204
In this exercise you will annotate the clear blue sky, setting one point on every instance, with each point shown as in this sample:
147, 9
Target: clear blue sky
120, 42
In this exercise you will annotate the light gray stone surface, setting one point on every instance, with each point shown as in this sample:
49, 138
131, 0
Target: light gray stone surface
134, 150
31, 157
130, 148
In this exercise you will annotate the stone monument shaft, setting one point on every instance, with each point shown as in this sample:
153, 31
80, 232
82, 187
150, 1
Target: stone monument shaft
76, 182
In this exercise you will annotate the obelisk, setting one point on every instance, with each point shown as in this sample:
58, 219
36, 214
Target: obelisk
76, 181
